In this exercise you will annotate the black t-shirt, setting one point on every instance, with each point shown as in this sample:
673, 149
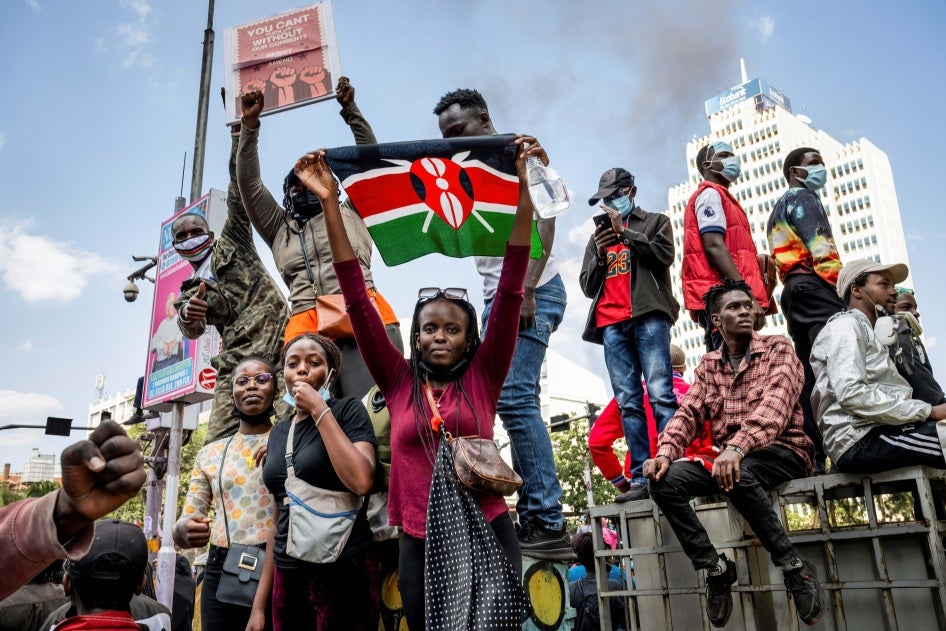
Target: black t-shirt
312, 464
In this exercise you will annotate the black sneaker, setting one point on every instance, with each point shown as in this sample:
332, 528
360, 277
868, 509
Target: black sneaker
807, 592
637, 492
539, 542
718, 595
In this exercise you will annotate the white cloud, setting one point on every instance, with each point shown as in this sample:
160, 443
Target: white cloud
26, 345
26, 406
34, 4
3, 140
141, 8
930, 342
133, 34
129, 40
765, 25
137, 57
42, 269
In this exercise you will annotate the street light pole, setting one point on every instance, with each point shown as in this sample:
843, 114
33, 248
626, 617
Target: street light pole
203, 102
166, 556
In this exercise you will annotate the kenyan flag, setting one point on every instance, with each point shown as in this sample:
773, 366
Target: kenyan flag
455, 196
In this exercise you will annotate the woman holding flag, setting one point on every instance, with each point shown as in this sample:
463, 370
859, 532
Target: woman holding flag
449, 370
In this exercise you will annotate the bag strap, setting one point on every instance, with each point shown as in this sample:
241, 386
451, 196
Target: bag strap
223, 501
437, 423
290, 466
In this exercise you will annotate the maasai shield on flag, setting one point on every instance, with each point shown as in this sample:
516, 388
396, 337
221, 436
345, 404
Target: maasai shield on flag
455, 196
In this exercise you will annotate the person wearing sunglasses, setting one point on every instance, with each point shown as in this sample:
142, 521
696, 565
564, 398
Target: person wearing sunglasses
231, 290
463, 375
626, 272
228, 480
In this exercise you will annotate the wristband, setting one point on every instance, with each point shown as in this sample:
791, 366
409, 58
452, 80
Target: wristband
324, 412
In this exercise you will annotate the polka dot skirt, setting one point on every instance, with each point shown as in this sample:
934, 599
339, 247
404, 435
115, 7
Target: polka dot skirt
469, 583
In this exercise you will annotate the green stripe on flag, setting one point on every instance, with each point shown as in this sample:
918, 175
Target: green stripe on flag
403, 239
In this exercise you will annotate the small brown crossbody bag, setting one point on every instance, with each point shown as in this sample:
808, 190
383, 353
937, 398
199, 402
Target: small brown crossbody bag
477, 461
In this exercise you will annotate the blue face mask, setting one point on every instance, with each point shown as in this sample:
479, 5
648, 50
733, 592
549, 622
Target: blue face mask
621, 204
817, 176
731, 168
323, 390
289, 399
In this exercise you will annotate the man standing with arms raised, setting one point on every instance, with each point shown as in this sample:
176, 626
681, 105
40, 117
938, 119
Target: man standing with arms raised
542, 526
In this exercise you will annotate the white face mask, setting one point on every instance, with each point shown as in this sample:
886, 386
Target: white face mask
885, 328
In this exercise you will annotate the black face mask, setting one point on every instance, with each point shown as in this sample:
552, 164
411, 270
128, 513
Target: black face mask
443, 375
255, 419
303, 206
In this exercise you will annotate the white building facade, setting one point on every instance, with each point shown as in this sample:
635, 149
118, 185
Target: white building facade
860, 198
39, 467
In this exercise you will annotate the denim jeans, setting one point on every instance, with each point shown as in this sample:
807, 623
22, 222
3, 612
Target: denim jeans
759, 471
635, 348
518, 408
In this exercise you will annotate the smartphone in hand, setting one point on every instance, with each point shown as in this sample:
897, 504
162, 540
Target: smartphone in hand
603, 220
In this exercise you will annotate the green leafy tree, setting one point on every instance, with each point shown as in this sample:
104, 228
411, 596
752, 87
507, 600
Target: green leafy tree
134, 508
571, 449
41, 488
8, 496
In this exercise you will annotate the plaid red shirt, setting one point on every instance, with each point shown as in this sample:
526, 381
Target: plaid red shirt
751, 408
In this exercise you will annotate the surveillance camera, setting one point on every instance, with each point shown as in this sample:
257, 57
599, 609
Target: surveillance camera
131, 292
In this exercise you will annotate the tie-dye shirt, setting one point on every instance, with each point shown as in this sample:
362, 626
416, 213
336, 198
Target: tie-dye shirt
800, 237
248, 502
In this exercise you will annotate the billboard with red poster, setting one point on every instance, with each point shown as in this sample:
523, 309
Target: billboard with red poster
178, 368
291, 57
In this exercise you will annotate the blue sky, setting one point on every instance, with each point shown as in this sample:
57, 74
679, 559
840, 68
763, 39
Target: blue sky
102, 97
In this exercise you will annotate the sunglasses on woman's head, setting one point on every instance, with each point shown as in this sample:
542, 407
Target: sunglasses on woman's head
452, 293
261, 379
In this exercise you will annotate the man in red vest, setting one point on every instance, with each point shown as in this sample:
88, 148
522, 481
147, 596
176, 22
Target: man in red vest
717, 239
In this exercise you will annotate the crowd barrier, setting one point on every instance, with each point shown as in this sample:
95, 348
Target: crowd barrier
877, 543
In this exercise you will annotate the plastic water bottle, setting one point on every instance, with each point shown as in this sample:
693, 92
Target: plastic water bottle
546, 188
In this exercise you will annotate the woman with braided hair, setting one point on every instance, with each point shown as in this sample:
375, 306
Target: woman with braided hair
333, 448
449, 369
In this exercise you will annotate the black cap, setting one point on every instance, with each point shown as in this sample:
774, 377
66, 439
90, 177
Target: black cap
612, 180
113, 536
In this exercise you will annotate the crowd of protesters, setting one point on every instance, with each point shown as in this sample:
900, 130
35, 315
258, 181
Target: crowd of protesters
852, 390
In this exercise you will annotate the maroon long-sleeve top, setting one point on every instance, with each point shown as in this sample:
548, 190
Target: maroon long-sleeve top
412, 447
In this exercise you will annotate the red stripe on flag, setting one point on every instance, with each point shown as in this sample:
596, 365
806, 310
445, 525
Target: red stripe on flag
490, 189
379, 194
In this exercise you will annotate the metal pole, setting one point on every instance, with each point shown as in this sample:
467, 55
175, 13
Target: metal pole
166, 556
153, 491
203, 102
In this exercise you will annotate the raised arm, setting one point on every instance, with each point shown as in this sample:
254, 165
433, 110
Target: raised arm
263, 209
345, 95
522, 224
384, 358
